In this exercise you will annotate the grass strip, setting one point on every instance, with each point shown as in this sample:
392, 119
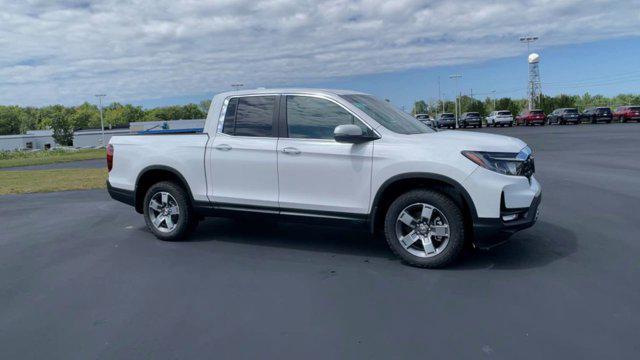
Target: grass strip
27, 158
21, 182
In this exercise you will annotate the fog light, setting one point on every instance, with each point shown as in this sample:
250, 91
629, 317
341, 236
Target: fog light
509, 217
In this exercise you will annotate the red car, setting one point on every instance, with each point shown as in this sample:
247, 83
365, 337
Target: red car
626, 113
531, 117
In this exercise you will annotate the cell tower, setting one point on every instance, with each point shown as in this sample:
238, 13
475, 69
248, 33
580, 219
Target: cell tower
534, 88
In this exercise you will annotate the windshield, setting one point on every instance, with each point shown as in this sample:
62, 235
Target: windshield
536, 112
634, 108
571, 111
504, 112
446, 116
473, 114
387, 115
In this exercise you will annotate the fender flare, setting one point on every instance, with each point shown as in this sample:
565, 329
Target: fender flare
426, 176
163, 168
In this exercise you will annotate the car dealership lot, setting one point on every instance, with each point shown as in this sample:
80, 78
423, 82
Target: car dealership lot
81, 277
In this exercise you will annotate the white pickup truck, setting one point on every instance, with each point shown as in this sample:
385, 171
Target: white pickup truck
331, 156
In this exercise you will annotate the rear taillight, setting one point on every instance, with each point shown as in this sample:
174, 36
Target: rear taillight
109, 157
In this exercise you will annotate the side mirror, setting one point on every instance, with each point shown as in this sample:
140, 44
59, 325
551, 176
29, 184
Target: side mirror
350, 133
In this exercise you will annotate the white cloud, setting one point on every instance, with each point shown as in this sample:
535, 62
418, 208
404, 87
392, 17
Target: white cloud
65, 51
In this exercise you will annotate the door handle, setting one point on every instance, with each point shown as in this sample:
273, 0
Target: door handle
291, 151
223, 147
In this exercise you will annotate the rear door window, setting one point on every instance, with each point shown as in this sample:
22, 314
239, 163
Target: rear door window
230, 117
254, 116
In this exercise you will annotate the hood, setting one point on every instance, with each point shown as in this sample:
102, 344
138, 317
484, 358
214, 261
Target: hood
468, 140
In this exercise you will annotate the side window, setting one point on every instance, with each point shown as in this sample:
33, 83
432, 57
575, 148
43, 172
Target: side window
230, 117
254, 116
314, 118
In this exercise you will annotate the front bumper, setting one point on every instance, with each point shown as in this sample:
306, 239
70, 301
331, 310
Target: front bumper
489, 232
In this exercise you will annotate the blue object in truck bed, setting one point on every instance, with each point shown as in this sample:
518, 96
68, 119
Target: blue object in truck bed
171, 131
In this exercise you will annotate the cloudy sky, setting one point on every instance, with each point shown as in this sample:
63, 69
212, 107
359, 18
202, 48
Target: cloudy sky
162, 51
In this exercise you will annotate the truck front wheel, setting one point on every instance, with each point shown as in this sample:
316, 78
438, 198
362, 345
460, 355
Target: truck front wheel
168, 212
425, 228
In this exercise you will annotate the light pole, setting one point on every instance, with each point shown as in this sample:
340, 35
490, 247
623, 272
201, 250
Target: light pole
493, 95
439, 98
100, 96
455, 77
528, 39
236, 86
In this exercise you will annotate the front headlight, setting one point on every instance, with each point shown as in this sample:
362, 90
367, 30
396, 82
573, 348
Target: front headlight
500, 162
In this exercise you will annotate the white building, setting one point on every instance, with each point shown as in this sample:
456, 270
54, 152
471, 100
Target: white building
43, 139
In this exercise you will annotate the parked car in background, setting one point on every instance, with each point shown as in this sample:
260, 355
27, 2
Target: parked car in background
446, 120
309, 154
500, 118
563, 116
531, 117
595, 114
626, 113
470, 119
425, 119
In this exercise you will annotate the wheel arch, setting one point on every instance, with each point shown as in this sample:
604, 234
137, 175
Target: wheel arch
402, 183
154, 174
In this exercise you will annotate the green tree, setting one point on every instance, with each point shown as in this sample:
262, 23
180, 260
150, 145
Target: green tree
85, 116
62, 125
132, 113
508, 104
475, 106
205, 105
11, 118
192, 111
420, 107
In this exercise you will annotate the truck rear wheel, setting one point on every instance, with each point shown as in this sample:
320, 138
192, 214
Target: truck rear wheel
168, 212
425, 228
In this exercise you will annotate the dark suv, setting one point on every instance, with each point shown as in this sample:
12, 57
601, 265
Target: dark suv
564, 116
446, 120
470, 119
595, 114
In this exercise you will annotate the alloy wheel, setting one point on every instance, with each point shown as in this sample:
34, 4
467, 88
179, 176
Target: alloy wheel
164, 211
422, 230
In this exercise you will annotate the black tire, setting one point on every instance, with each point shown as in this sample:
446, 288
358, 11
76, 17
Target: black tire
451, 212
187, 219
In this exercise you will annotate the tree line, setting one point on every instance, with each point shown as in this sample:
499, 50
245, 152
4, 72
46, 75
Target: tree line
546, 103
65, 120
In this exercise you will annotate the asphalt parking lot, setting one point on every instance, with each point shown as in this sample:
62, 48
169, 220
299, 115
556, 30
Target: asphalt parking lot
81, 277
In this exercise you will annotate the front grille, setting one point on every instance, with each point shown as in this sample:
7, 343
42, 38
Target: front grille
528, 167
